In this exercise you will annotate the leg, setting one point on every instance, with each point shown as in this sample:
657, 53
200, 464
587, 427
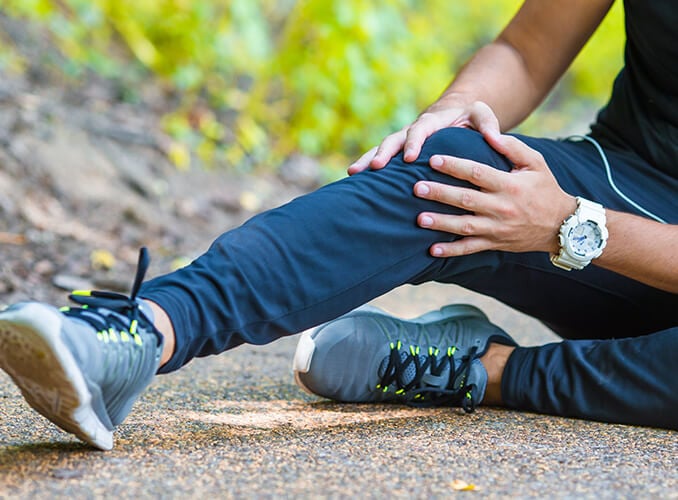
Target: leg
629, 381
330, 251
309, 261
266, 279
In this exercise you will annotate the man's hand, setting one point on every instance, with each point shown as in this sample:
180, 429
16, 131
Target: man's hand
517, 211
411, 138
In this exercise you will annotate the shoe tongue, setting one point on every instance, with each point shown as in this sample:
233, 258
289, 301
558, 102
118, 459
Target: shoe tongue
409, 373
145, 308
89, 318
98, 315
438, 381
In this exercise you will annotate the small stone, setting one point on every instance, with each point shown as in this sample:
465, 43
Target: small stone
69, 282
301, 171
43, 267
67, 474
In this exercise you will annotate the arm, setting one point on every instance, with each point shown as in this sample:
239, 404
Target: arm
507, 78
641, 249
516, 72
522, 210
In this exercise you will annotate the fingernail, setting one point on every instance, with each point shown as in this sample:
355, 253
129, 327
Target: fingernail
426, 221
423, 189
437, 251
436, 161
409, 153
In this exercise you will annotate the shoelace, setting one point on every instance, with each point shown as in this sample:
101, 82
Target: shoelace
124, 324
417, 393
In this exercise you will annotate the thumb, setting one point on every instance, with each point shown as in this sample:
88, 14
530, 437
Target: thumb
483, 119
517, 152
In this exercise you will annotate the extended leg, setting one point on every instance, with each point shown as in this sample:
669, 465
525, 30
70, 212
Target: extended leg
630, 381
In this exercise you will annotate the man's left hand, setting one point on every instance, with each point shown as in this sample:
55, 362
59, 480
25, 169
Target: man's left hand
516, 211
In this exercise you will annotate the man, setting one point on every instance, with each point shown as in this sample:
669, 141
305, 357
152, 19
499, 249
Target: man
486, 213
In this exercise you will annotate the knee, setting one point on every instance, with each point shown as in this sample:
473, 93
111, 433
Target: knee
460, 142
464, 143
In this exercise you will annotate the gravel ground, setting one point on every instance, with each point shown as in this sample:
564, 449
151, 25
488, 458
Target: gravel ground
236, 426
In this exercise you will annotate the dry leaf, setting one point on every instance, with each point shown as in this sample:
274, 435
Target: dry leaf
179, 156
459, 485
250, 201
102, 259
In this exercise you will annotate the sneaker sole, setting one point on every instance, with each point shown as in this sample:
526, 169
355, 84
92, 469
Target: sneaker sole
41, 365
306, 346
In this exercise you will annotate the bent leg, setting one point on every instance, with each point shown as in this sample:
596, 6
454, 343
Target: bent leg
628, 381
328, 252
311, 260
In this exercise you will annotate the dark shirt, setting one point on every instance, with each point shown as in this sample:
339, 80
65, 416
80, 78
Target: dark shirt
643, 110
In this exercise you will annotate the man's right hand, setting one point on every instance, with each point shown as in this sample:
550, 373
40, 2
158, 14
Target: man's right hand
410, 139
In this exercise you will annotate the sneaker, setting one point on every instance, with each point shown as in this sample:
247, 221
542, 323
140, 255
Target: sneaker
82, 367
370, 356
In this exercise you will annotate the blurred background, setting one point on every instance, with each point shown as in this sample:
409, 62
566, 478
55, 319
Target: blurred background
244, 84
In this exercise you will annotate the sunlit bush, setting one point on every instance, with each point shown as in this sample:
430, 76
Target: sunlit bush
260, 79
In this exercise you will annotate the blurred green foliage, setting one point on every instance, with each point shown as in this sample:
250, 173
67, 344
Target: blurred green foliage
256, 80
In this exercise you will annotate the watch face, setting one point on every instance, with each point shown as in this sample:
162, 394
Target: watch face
585, 239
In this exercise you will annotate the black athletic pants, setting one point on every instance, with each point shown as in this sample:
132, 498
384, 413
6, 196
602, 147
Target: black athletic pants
330, 251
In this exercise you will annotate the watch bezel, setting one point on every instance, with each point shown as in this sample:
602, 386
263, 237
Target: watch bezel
600, 237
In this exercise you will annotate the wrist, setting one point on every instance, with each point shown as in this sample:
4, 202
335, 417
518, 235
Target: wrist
452, 99
566, 208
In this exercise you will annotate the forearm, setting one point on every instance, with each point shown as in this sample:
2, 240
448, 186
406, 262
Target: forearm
497, 76
516, 72
641, 249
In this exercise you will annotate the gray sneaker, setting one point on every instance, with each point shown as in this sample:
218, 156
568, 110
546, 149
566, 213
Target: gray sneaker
82, 367
370, 356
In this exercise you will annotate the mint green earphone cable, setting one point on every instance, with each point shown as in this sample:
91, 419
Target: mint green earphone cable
610, 180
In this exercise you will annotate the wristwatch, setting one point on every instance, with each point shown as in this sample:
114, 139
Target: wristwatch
582, 236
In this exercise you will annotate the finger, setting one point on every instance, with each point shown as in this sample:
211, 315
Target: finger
478, 174
417, 134
462, 246
484, 120
363, 162
519, 153
388, 148
468, 199
461, 225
